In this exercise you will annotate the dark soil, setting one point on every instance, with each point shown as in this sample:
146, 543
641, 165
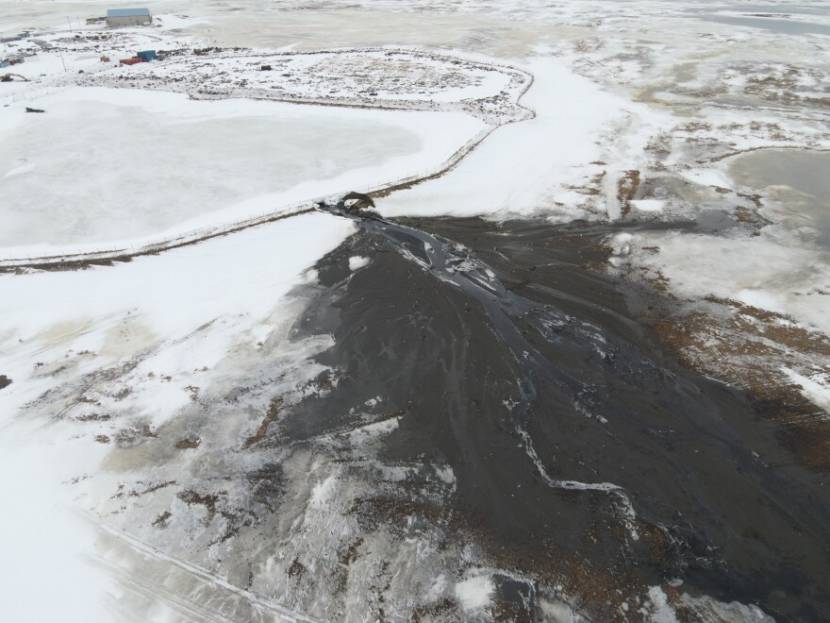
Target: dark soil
551, 355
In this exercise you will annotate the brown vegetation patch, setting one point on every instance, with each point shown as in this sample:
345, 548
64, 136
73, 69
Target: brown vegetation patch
208, 500
627, 187
754, 198
432, 611
162, 520
744, 215
371, 512
138, 492
188, 443
4, 381
351, 553
271, 415
595, 591
747, 347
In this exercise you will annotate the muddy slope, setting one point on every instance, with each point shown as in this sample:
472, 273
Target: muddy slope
574, 439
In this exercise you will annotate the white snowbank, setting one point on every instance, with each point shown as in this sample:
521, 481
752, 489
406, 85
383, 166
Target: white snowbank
182, 311
660, 610
475, 593
323, 491
189, 306
523, 167
814, 391
356, 262
47, 547
648, 205
180, 290
708, 177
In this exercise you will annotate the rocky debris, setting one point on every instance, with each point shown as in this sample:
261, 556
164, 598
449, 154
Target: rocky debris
162, 520
297, 569
188, 443
9, 77
355, 202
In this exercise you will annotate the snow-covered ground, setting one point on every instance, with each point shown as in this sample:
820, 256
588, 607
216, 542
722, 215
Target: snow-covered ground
638, 112
161, 328
538, 167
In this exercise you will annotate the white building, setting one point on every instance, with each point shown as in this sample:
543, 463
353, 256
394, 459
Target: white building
128, 17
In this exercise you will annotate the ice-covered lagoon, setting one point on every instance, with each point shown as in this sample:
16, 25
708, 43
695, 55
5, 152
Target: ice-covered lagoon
106, 167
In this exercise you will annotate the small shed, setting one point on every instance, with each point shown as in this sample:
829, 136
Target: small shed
128, 17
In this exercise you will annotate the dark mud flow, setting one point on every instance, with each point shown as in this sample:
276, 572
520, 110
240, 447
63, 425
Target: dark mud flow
579, 447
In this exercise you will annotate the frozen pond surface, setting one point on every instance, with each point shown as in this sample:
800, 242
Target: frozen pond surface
103, 165
805, 171
783, 26
127, 171
797, 180
788, 19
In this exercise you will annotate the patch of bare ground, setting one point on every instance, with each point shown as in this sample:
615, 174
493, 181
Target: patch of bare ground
143, 489
592, 188
271, 416
229, 520
441, 608
93, 417
206, 500
4, 381
392, 511
296, 569
346, 557
323, 382
627, 187
748, 348
188, 443
745, 215
134, 435
596, 591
